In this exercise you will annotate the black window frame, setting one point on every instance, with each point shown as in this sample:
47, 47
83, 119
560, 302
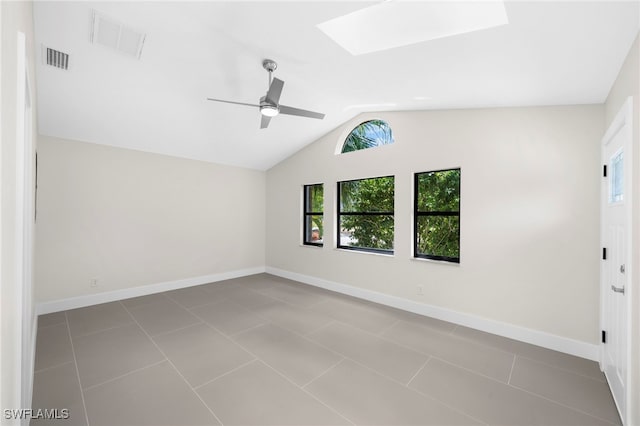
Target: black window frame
306, 213
417, 214
339, 213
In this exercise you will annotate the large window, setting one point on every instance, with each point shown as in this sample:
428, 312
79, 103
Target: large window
437, 215
365, 214
369, 134
313, 214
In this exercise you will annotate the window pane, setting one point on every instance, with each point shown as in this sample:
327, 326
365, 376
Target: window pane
375, 232
314, 198
313, 229
616, 193
438, 236
368, 135
439, 191
367, 195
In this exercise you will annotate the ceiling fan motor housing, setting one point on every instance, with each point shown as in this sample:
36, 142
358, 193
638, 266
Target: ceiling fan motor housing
269, 65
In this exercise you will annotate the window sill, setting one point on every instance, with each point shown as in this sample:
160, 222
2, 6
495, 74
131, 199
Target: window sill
366, 252
440, 262
312, 245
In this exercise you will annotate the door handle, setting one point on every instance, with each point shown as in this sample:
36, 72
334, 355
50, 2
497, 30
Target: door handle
617, 289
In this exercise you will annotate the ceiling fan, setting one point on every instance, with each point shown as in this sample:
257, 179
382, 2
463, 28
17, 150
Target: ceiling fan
270, 103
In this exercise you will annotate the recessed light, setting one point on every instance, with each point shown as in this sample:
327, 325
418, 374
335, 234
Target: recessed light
399, 23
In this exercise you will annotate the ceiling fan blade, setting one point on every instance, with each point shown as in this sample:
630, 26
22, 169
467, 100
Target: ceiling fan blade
232, 102
275, 89
300, 112
264, 122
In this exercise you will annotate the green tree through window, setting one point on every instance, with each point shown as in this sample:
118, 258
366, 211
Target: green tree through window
368, 135
313, 214
437, 215
365, 214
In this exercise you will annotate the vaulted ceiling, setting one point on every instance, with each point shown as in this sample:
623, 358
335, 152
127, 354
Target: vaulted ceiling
550, 53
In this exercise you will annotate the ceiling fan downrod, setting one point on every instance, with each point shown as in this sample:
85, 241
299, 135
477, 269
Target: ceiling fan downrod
270, 65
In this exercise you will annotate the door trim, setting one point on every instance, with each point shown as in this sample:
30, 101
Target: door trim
623, 117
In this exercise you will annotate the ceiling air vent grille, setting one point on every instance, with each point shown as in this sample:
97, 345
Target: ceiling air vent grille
111, 33
57, 59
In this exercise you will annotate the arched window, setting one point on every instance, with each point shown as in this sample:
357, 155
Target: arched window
369, 134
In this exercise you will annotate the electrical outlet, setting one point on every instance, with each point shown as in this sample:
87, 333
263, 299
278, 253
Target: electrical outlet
93, 282
420, 290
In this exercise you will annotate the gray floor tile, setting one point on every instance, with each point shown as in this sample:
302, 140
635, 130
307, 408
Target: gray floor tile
266, 280
259, 283
257, 395
58, 388
423, 321
276, 280
111, 353
201, 353
582, 393
251, 299
191, 297
382, 355
144, 300
480, 358
571, 363
487, 339
295, 295
226, 290
53, 346
97, 318
162, 317
299, 320
51, 319
299, 335
154, 396
584, 367
296, 357
252, 282
366, 398
491, 401
358, 314
228, 317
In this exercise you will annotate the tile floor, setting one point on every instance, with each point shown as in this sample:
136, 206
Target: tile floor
262, 350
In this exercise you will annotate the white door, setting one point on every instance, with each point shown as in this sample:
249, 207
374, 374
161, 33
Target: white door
616, 241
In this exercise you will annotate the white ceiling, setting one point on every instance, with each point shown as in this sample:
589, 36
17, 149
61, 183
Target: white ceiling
550, 53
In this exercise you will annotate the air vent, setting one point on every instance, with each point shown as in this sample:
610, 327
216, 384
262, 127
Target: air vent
111, 33
55, 58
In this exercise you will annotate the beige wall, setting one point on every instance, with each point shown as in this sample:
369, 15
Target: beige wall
628, 84
529, 213
130, 219
14, 379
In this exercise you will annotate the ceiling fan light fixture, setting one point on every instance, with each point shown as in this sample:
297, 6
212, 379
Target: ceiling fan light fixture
269, 110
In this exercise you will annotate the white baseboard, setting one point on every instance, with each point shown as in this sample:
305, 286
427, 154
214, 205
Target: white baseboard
523, 334
29, 359
127, 293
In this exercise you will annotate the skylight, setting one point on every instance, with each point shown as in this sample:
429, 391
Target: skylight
400, 23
